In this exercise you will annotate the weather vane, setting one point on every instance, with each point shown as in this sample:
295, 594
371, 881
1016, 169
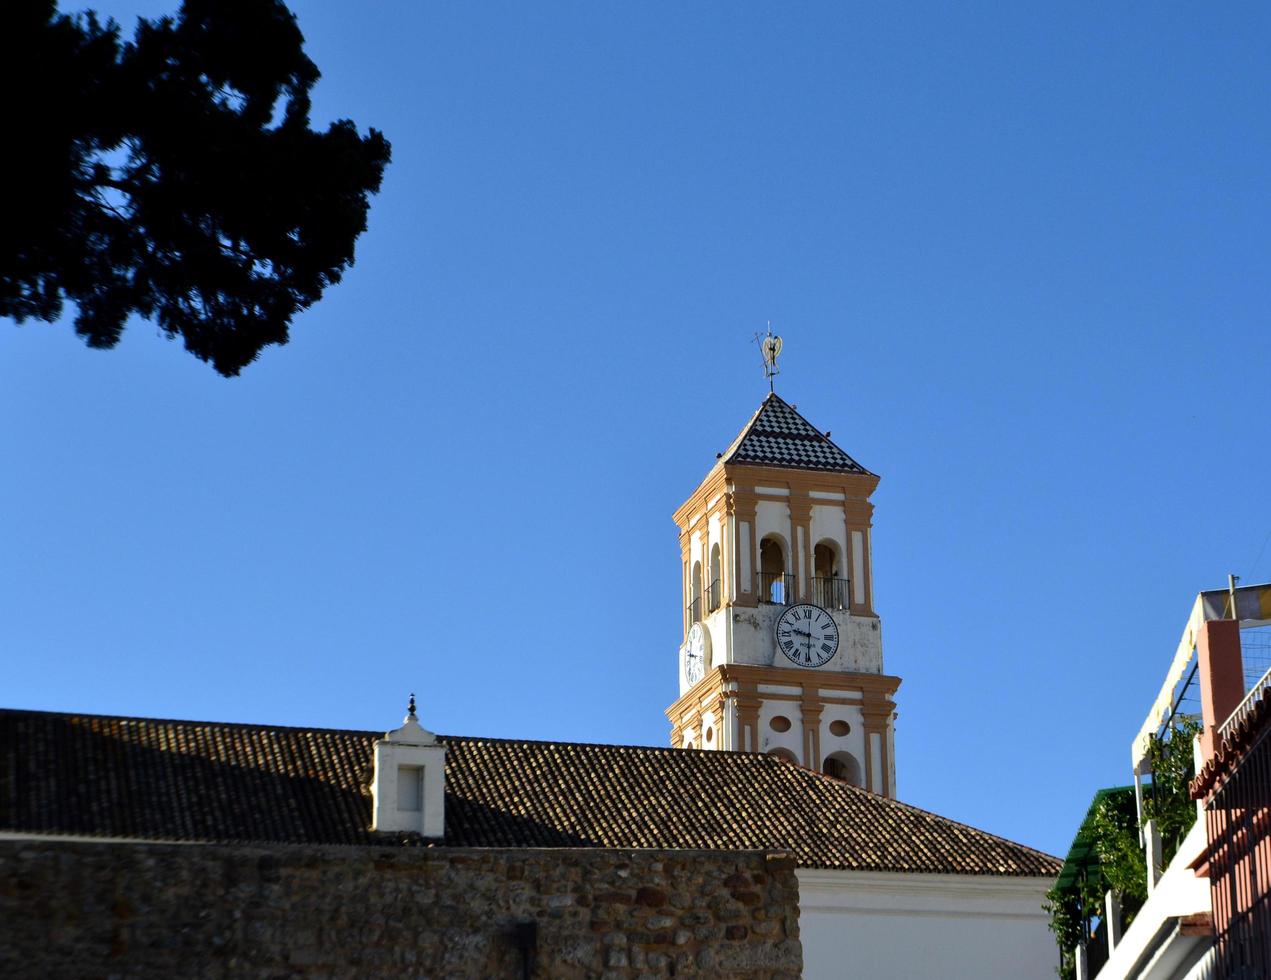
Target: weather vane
770, 347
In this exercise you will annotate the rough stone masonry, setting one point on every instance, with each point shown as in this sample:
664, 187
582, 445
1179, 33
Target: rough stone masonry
118, 909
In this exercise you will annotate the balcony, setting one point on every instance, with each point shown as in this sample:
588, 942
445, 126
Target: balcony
830, 593
776, 588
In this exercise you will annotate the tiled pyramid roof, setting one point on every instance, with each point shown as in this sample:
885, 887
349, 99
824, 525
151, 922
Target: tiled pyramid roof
180, 780
777, 435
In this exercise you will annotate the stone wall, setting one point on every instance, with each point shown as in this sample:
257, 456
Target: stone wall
72, 909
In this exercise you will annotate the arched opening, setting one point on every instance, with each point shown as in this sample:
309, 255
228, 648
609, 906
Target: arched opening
784, 754
826, 558
713, 592
829, 586
689, 744
774, 584
695, 594
843, 765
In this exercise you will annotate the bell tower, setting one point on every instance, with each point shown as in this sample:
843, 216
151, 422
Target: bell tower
782, 648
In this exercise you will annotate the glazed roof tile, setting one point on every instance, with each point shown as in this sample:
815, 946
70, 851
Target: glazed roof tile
777, 435
180, 780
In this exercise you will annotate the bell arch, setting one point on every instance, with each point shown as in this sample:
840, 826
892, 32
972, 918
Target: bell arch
695, 594
829, 584
774, 581
843, 765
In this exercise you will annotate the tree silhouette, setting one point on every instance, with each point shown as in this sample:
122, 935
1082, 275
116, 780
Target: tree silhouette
174, 176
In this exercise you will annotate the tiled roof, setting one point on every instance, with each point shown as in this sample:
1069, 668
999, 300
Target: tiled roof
777, 435
1231, 749
181, 780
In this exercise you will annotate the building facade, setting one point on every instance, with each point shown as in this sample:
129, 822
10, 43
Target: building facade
1233, 785
766, 842
1207, 911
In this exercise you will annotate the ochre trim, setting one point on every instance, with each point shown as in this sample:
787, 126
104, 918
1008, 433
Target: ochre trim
730, 493
740, 684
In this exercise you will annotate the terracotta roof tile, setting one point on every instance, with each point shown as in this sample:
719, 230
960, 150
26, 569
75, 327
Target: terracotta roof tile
180, 780
1233, 747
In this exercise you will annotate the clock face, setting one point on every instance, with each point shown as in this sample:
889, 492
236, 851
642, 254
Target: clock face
695, 654
807, 635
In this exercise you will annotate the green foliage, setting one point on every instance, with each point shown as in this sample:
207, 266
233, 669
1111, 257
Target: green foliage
1114, 824
175, 176
1118, 864
1113, 831
1067, 923
1168, 805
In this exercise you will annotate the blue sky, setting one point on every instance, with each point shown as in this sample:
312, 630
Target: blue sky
1019, 257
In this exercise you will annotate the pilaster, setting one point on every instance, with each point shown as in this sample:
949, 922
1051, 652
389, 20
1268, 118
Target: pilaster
748, 704
811, 708
877, 711
801, 544
746, 512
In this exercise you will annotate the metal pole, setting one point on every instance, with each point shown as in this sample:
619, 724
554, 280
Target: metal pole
1231, 591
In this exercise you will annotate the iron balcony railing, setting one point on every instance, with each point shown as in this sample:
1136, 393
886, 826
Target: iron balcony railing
695, 611
713, 596
1239, 837
776, 588
830, 593
1245, 707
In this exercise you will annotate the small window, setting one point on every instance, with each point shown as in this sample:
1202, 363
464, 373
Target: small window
779, 723
410, 788
710, 735
839, 728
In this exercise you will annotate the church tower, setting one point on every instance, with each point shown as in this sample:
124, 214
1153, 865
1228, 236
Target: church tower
782, 648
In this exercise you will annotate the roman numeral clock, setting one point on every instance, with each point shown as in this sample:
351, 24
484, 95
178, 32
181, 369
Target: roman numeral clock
807, 635
782, 648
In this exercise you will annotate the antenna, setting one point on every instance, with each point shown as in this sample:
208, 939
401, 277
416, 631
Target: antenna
770, 347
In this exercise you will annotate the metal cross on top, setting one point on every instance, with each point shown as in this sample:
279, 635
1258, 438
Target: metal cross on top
770, 347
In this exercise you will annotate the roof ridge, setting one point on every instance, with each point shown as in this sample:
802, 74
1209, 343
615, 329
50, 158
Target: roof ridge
966, 826
185, 721
726, 455
268, 726
892, 801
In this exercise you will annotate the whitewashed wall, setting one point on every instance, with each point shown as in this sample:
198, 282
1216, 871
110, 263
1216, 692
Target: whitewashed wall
933, 927
853, 742
829, 522
772, 517
791, 740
